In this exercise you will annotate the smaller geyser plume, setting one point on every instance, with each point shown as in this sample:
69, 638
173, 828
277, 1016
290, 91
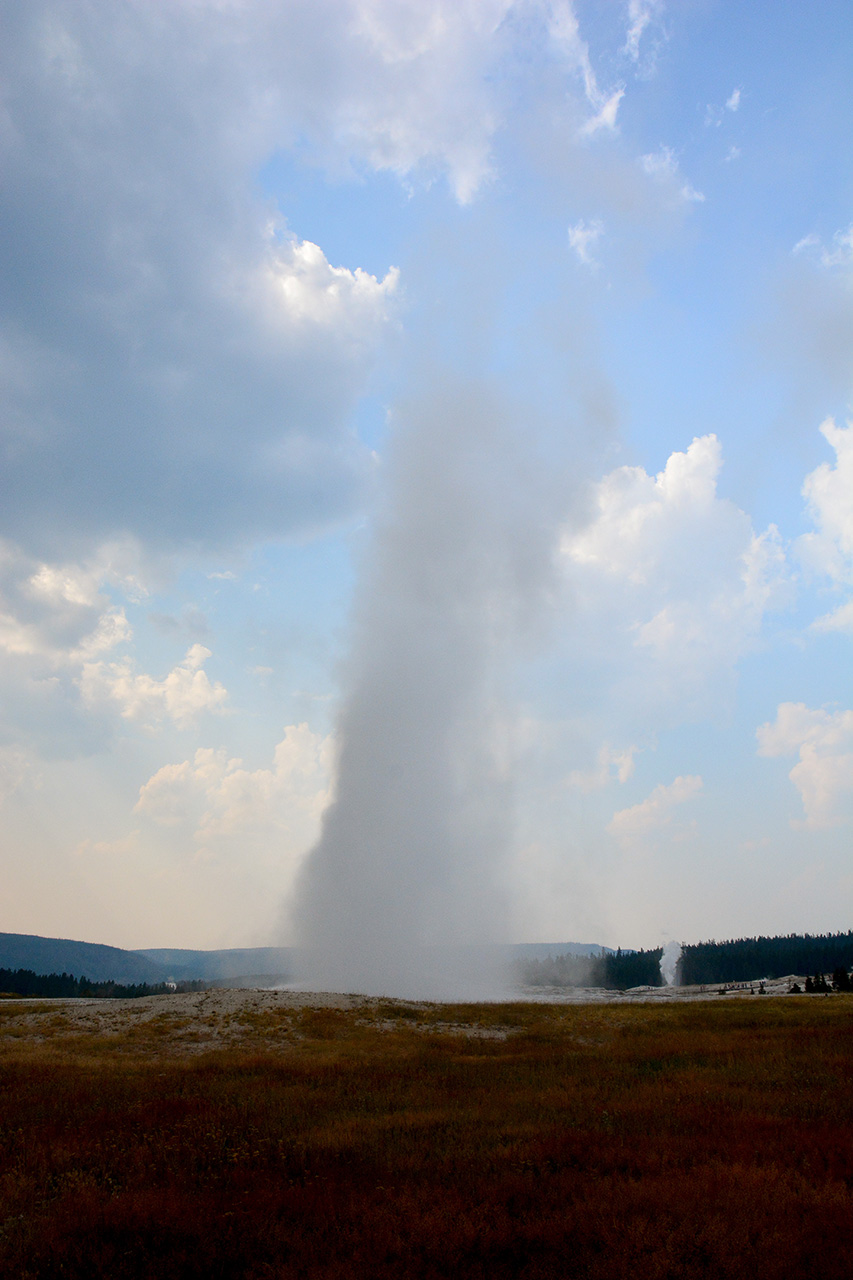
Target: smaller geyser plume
669, 962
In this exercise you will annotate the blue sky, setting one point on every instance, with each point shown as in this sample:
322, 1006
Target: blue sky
249, 249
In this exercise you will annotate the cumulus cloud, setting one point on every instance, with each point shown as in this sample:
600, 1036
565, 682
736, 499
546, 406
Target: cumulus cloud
662, 166
823, 775
182, 696
318, 293
224, 802
67, 663
681, 570
655, 811
56, 614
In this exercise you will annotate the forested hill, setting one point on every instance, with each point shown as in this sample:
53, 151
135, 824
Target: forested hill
112, 964
737, 960
65, 955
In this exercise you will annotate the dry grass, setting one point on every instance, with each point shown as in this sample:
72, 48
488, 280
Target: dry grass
263, 1137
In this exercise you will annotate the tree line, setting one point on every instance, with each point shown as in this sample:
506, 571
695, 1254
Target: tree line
744, 958
702, 963
24, 982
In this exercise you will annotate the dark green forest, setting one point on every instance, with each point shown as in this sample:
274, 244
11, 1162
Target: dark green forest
23, 982
702, 963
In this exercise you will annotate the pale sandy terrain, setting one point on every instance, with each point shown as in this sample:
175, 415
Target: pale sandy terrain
197, 1022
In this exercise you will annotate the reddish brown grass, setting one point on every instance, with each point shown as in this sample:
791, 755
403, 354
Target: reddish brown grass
687, 1141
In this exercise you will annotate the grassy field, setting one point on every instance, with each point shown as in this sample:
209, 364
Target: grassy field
389, 1140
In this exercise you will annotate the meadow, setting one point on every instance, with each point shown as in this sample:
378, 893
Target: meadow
252, 1137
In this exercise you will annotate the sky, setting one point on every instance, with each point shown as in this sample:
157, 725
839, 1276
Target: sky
432, 409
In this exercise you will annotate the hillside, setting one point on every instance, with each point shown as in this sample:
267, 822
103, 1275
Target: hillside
235, 962
65, 955
160, 964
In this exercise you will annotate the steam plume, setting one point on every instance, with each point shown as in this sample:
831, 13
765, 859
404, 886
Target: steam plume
669, 962
405, 874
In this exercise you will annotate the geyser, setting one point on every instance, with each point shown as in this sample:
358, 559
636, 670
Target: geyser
400, 895
669, 962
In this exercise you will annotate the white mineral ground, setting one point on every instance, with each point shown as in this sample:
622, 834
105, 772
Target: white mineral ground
198, 1021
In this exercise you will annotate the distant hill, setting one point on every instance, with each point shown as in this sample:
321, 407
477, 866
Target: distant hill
160, 964
89, 959
235, 962
102, 963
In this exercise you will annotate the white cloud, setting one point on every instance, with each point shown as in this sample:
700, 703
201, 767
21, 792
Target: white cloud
57, 614
583, 237
635, 511
227, 804
417, 93
840, 619
611, 763
662, 165
733, 101
565, 34
678, 569
605, 117
641, 15
808, 242
824, 773
656, 810
828, 491
314, 292
182, 696
66, 655
839, 254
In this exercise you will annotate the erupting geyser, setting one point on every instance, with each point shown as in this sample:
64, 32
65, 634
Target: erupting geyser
669, 962
400, 894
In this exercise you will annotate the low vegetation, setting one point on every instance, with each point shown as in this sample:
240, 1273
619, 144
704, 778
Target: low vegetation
400, 1140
